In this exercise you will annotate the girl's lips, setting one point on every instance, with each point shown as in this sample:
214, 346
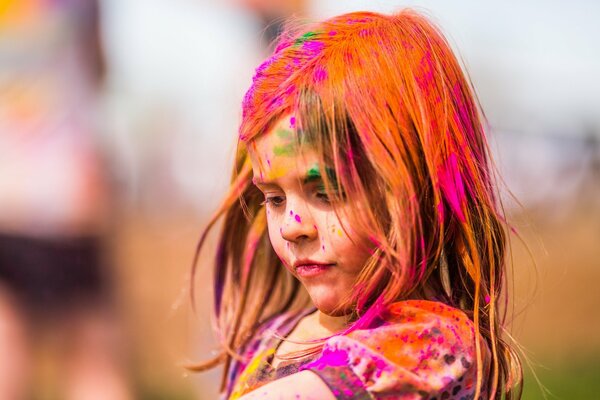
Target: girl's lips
310, 270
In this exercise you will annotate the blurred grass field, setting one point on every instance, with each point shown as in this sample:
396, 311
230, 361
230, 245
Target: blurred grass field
573, 379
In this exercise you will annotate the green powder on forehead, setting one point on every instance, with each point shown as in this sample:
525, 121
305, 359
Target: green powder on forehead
289, 146
313, 172
284, 133
285, 150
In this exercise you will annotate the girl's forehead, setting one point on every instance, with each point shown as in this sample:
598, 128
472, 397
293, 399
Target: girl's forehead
277, 153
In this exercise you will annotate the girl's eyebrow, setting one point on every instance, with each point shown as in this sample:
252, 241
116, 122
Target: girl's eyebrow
313, 174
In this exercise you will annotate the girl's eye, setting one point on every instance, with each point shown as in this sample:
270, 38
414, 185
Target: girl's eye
323, 196
273, 201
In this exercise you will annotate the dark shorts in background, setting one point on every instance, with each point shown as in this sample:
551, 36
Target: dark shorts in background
53, 276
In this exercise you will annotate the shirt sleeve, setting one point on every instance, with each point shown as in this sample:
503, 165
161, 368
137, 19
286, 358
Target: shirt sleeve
424, 350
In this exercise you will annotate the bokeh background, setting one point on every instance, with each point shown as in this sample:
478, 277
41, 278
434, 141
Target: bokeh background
118, 121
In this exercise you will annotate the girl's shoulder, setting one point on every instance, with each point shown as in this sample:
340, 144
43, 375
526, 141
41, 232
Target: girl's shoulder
425, 348
259, 346
416, 322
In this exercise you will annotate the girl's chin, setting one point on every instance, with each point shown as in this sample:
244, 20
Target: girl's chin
329, 306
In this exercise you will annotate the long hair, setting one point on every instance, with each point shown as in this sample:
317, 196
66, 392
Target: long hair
385, 103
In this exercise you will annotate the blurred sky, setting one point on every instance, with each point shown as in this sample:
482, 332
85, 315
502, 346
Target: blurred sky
179, 69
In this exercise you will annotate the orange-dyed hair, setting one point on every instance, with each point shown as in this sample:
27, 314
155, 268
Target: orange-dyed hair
385, 102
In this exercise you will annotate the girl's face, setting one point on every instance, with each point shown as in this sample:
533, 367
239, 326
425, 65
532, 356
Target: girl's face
303, 227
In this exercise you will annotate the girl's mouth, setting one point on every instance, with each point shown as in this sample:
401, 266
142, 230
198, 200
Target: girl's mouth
310, 270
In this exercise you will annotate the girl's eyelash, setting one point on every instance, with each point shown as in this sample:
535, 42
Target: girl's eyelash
272, 201
322, 195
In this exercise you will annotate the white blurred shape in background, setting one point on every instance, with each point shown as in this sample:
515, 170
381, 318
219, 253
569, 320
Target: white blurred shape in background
178, 73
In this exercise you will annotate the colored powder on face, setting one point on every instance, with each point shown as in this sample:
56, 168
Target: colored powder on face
332, 33
313, 172
292, 122
291, 212
297, 218
286, 150
487, 299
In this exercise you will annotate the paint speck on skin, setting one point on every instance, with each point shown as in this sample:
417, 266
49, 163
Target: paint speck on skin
487, 299
292, 122
297, 218
291, 212
332, 33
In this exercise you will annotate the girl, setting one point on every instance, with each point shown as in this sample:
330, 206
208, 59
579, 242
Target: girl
361, 254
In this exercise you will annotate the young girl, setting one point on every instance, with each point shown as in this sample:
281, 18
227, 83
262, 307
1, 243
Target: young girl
361, 254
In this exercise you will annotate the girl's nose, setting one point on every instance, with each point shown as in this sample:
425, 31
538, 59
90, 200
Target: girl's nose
298, 226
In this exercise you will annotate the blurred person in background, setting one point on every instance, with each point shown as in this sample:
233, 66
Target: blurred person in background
272, 14
54, 196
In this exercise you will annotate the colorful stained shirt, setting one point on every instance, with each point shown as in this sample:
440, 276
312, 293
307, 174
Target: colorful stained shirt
418, 350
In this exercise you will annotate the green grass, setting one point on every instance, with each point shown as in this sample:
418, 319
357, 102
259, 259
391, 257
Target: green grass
573, 380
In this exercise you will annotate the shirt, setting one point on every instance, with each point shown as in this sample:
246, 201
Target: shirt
417, 350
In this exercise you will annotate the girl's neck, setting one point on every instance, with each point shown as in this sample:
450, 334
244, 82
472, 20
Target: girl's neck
330, 324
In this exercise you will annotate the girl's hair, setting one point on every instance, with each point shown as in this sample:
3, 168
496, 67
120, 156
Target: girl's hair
386, 105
